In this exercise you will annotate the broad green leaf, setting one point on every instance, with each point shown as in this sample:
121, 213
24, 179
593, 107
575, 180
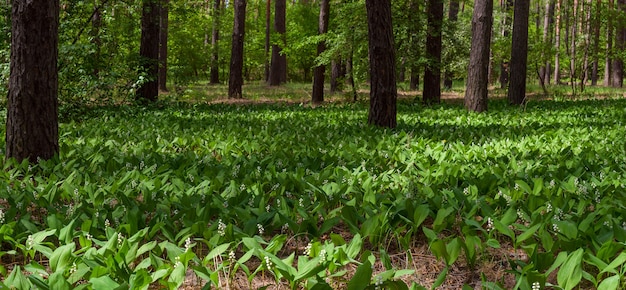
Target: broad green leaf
570, 273
362, 278
619, 261
104, 282
61, 258
610, 283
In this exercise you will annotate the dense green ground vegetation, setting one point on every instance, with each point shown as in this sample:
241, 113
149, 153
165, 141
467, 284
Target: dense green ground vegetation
141, 194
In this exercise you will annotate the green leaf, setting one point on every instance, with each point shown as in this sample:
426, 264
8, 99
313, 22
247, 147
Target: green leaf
619, 261
57, 281
571, 273
17, 279
217, 251
440, 278
362, 278
453, 248
61, 257
527, 234
610, 283
354, 248
103, 282
309, 269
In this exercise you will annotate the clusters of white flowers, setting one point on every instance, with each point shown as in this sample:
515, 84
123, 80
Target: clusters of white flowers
489, 224
231, 257
536, 286
260, 228
1, 216
268, 263
322, 256
221, 228
307, 249
187, 244
120, 238
30, 242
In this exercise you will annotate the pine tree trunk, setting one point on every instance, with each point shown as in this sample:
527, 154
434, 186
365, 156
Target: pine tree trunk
32, 130
149, 50
215, 37
163, 45
235, 81
506, 31
383, 92
453, 13
278, 68
609, 47
432, 73
596, 43
336, 75
544, 71
478, 72
318, 74
617, 67
519, 53
557, 44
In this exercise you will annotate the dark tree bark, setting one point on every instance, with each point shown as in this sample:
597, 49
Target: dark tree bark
414, 82
278, 68
414, 27
149, 50
383, 92
432, 73
478, 72
32, 130
215, 37
519, 53
235, 81
163, 45
268, 21
336, 75
453, 13
617, 67
318, 73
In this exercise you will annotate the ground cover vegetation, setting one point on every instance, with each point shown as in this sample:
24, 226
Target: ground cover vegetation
264, 183
140, 195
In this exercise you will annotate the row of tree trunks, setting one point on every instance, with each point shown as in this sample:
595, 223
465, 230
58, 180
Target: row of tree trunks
235, 81
32, 124
318, 74
453, 15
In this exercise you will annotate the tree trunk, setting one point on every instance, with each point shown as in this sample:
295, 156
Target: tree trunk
596, 43
96, 24
335, 75
506, 31
617, 68
572, 50
544, 71
149, 50
519, 53
163, 45
453, 13
318, 74
557, 44
383, 92
432, 73
268, 21
278, 68
215, 38
32, 130
235, 81
478, 72
609, 47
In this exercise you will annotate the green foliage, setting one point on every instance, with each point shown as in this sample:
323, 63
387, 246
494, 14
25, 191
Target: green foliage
140, 194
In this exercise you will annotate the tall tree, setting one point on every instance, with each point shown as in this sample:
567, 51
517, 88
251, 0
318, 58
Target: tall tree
609, 46
519, 52
278, 68
268, 29
318, 74
164, 19
32, 130
453, 13
617, 67
215, 36
506, 31
149, 50
413, 29
96, 24
383, 91
432, 74
597, 23
544, 71
557, 43
478, 71
235, 81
